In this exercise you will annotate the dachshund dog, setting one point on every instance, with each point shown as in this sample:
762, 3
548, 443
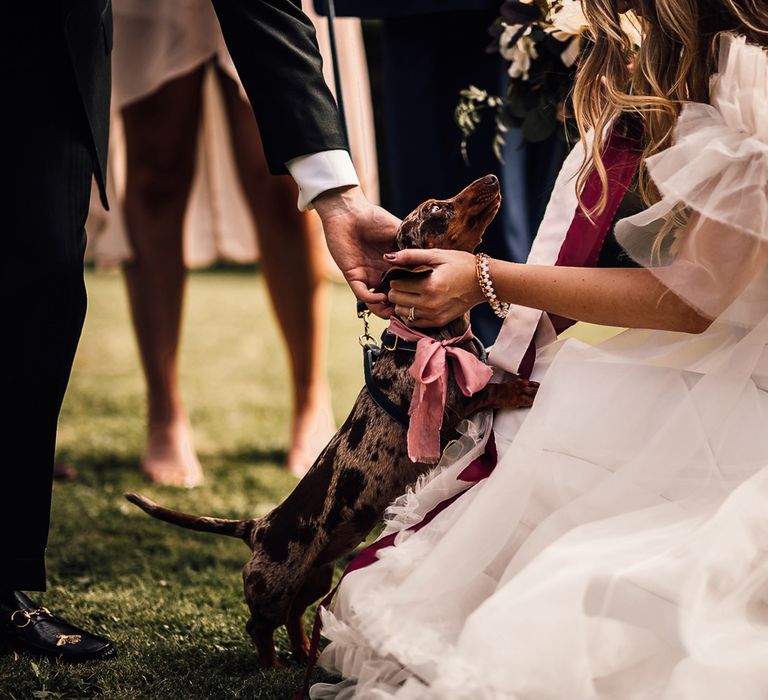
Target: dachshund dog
365, 466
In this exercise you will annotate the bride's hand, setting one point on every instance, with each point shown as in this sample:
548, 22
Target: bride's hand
358, 234
440, 297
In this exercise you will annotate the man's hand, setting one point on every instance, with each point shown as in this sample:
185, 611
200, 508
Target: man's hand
358, 234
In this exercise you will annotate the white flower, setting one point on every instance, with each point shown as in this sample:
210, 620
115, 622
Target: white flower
506, 36
520, 62
631, 26
521, 53
568, 21
572, 51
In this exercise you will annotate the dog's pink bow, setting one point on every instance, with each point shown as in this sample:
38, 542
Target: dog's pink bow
430, 370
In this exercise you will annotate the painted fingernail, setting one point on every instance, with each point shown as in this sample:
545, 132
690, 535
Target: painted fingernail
390, 256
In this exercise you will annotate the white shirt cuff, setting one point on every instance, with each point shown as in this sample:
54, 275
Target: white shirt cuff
320, 172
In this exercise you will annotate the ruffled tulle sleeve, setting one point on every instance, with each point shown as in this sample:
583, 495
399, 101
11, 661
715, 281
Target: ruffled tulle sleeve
713, 180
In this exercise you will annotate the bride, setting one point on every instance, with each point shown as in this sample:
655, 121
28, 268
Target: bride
619, 548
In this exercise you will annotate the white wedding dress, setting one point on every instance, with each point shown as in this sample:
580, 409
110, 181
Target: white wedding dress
619, 550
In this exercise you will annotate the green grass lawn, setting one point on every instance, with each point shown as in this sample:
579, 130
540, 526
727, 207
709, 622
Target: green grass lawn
172, 599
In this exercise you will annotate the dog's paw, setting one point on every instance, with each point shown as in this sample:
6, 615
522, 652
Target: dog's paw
528, 391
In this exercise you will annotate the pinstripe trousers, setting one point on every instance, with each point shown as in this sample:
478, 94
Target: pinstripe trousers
46, 165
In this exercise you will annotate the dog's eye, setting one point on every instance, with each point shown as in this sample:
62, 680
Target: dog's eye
434, 208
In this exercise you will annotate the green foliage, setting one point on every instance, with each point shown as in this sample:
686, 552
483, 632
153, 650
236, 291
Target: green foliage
172, 599
537, 102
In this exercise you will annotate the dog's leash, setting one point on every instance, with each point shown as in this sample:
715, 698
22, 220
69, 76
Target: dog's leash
371, 352
330, 9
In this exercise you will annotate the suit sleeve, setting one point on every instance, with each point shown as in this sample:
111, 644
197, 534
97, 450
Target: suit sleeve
274, 47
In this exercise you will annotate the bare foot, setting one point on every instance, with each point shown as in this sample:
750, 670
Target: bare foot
313, 427
170, 458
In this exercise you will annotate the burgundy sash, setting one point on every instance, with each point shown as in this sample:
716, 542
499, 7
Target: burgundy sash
580, 248
586, 236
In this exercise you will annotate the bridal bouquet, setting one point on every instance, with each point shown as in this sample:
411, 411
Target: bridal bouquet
542, 41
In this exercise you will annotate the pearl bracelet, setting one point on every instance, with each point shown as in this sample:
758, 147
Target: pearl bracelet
500, 308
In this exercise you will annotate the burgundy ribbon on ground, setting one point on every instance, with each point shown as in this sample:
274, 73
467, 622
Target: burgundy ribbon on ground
586, 236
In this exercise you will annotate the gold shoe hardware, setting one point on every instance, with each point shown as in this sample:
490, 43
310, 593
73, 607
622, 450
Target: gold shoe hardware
27, 615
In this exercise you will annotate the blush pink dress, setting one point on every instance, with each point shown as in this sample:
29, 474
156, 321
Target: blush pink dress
155, 42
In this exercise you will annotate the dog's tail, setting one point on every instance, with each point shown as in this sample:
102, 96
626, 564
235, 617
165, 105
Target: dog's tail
218, 526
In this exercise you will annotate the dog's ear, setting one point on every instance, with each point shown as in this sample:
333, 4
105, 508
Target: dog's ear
397, 272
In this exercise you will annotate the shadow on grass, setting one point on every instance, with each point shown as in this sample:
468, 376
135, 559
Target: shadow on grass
254, 455
158, 670
111, 463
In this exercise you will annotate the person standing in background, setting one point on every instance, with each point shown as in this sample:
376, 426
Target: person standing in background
162, 55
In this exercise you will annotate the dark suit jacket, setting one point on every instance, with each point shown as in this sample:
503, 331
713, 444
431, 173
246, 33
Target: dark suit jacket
64, 44
274, 48
380, 9
271, 41
88, 36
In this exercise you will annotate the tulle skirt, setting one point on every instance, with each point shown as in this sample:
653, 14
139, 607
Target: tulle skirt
619, 550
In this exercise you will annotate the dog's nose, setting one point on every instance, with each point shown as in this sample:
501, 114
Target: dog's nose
490, 180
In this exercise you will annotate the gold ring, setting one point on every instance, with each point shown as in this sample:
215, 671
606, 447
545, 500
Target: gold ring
411, 315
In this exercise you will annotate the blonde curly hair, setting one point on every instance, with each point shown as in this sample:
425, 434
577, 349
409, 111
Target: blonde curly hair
673, 65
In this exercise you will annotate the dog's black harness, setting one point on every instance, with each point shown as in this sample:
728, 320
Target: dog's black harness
371, 353
392, 343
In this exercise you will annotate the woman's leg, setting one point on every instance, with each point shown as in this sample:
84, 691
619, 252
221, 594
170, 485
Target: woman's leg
161, 136
293, 261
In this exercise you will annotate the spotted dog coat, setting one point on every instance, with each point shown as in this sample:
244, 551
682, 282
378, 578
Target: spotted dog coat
365, 465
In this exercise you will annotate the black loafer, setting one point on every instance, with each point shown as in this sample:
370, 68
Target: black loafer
25, 626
